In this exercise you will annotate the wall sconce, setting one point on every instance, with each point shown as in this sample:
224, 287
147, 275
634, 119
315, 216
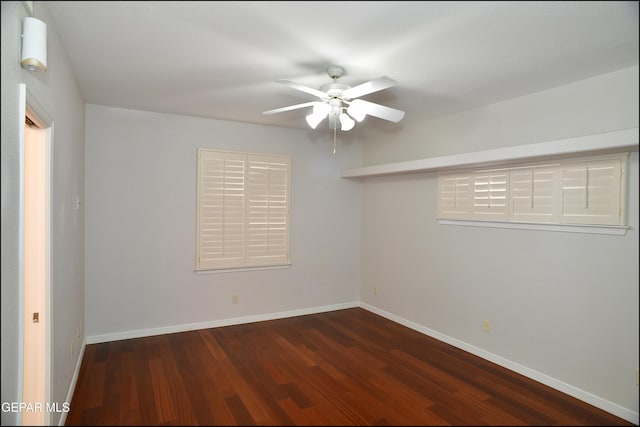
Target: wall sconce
34, 45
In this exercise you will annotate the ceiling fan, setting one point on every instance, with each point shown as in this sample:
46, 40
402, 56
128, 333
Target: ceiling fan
339, 102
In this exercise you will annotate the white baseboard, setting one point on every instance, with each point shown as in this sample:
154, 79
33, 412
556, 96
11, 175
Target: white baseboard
587, 397
74, 380
116, 336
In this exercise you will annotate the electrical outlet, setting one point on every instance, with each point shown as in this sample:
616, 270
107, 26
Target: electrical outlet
486, 326
234, 299
375, 291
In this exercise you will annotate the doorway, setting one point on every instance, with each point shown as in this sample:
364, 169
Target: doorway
36, 267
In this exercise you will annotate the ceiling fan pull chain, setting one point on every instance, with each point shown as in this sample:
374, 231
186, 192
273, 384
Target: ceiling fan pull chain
335, 127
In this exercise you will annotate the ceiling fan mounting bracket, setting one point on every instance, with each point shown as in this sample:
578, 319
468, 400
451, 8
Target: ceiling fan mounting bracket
335, 71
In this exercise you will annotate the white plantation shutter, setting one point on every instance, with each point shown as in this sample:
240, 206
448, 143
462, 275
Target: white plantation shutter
533, 191
455, 198
268, 210
221, 209
591, 192
243, 209
490, 195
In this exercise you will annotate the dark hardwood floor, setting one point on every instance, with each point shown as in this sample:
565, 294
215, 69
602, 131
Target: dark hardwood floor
347, 367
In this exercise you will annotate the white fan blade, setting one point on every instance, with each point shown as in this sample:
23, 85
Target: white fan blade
369, 87
320, 94
292, 107
378, 110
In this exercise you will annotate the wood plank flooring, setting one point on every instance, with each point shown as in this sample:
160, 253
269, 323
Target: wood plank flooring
346, 367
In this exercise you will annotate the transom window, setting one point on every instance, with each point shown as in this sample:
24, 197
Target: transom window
577, 191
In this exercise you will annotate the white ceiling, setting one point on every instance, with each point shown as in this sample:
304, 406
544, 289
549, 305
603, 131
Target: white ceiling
221, 59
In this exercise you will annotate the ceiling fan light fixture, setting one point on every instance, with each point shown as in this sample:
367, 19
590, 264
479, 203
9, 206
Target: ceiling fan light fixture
356, 111
320, 111
314, 119
346, 122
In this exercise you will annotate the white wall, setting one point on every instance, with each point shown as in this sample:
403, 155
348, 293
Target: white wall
562, 304
140, 237
57, 93
596, 105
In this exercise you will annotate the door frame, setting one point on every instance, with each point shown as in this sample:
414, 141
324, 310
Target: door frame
28, 105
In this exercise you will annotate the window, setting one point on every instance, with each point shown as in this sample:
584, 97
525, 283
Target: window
534, 193
577, 191
242, 209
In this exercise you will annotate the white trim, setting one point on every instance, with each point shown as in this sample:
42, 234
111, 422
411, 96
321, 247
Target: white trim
74, 381
582, 395
36, 112
621, 140
616, 230
232, 270
29, 105
48, 280
94, 339
22, 112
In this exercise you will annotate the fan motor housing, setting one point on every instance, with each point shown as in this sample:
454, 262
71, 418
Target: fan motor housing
334, 89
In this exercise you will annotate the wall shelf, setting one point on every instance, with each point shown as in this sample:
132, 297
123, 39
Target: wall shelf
621, 140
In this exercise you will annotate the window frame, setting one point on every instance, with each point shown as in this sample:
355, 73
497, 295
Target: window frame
555, 218
262, 188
